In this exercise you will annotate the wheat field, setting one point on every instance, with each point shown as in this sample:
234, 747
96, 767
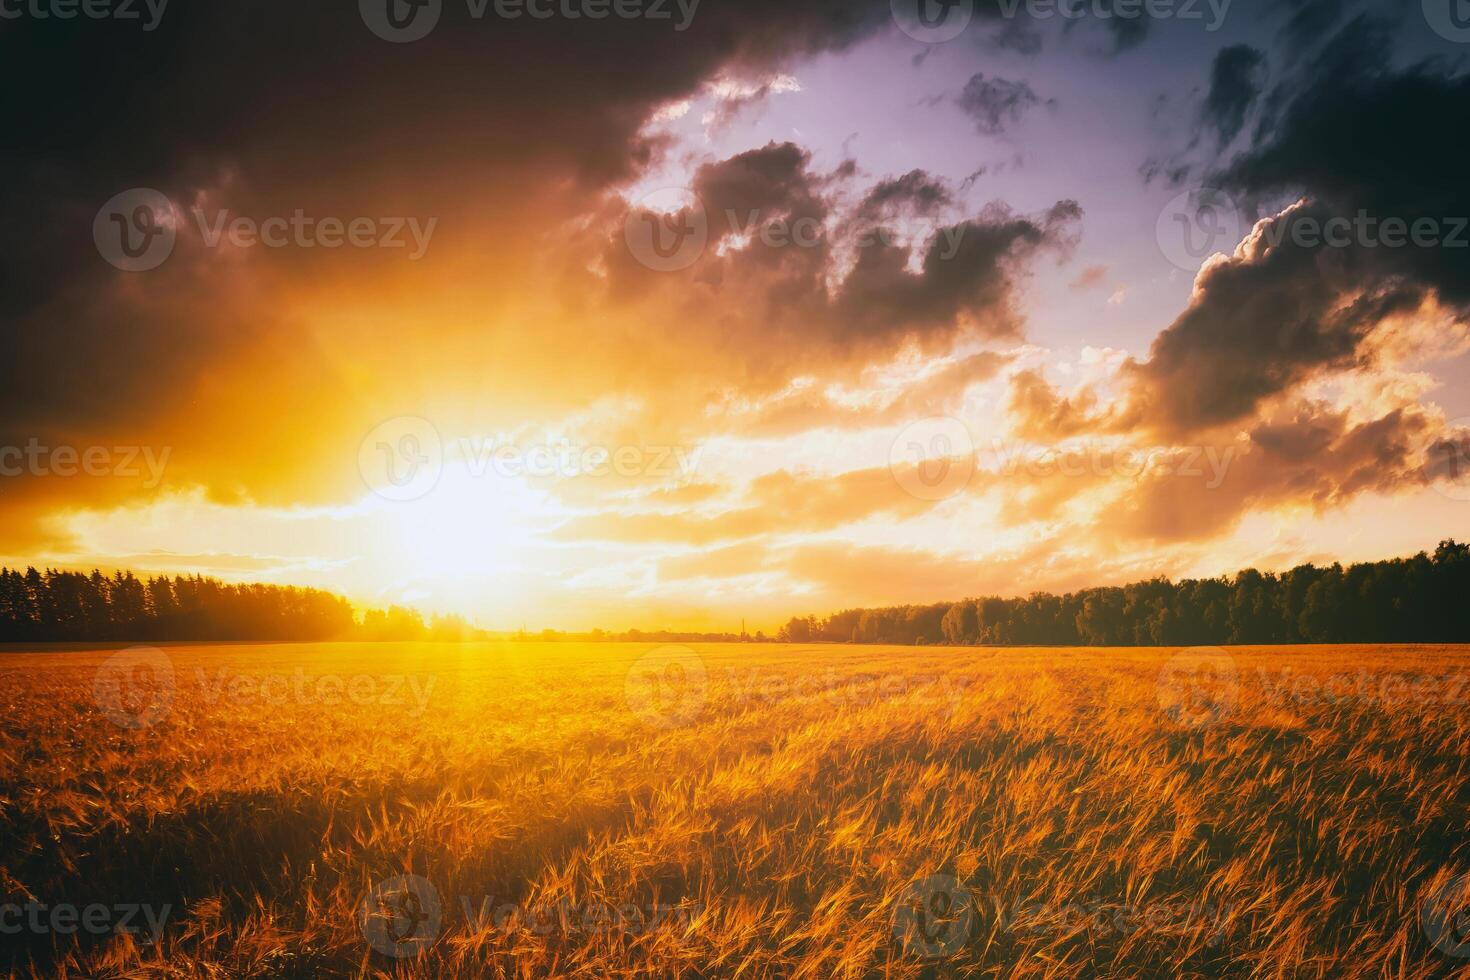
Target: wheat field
529, 810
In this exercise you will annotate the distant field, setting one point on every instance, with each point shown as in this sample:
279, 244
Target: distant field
734, 811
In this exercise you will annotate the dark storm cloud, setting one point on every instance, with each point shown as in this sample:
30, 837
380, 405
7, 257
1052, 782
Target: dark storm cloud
996, 103
794, 275
1277, 313
1362, 144
1235, 84
1357, 135
270, 106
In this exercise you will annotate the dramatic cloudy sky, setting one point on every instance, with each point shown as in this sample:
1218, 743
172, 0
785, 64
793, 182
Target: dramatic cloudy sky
754, 308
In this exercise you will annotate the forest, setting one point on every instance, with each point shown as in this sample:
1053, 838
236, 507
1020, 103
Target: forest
59, 606
1422, 599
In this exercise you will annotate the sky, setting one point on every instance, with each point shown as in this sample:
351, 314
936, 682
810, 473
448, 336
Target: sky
663, 314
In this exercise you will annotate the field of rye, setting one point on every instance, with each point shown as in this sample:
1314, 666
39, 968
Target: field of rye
503, 810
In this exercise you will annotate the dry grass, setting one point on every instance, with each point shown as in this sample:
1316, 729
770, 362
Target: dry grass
1081, 819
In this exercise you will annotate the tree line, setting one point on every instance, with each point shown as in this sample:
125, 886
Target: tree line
71, 606
1422, 599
